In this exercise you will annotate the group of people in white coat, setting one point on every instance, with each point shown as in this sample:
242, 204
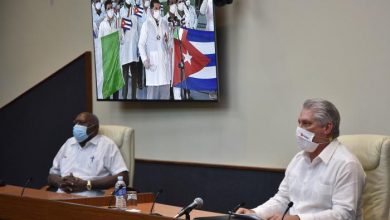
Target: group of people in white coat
146, 33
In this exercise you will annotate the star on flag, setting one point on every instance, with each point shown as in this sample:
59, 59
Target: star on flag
193, 59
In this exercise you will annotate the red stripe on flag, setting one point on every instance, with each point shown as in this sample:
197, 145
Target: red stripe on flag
197, 60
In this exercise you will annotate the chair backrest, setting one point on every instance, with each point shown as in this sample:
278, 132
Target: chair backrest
373, 152
124, 139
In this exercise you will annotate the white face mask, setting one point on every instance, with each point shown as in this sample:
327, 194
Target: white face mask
156, 14
180, 6
147, 4
305, 140
110, 13
173, 8
188, 2
98, 5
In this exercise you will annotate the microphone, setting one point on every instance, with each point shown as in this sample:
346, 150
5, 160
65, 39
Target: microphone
154, 202
175, 18
197, 203
231, 212
290, 204
25, 185
237, 207
175, 21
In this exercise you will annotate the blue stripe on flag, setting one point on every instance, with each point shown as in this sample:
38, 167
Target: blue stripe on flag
199, 84
140, 11
127, 23
200, 36
213, 59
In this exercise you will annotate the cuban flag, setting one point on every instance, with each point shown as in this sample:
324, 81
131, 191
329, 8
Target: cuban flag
198, 54
126, 24
138, 10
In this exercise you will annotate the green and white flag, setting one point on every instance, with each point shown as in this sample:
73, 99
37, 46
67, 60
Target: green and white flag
112, 71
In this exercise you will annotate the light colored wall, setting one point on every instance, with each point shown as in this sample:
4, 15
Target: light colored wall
273, 55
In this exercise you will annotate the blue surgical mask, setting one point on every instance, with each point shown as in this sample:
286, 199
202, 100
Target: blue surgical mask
80, 133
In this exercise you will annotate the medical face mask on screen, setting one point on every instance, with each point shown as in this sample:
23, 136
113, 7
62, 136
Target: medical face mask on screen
305, 140
180, 6
147, 4
110, 13
173, 8
156, 14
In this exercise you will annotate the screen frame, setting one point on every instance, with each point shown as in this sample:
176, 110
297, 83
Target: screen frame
170, 100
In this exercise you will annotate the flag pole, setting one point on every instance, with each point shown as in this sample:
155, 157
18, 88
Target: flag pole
184, 92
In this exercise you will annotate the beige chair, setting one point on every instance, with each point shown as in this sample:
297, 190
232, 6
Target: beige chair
124, 139
373, 152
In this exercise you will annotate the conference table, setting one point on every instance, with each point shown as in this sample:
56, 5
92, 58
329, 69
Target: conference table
42, 204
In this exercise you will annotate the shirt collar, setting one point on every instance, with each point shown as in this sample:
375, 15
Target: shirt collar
94, 141
328, 151
325, 155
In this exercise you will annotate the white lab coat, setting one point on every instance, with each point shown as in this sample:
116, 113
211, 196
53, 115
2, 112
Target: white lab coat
207, 9
97, 19
170, 45
106, 28
194, 18
155, 50
129, 39
172, 29
144, 16
186, 20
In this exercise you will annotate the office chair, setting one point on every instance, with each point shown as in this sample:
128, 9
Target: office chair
124, 139
373, 152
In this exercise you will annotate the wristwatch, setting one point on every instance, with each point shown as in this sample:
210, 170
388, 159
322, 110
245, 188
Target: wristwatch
89, 185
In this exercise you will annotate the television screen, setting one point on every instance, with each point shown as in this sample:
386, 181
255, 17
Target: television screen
155, 50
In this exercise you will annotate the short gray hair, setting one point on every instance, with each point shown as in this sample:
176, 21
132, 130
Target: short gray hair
324, 112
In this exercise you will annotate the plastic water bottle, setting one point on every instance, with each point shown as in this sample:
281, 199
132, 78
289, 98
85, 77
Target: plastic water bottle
120, 194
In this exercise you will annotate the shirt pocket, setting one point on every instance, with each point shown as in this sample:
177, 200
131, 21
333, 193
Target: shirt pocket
323, 192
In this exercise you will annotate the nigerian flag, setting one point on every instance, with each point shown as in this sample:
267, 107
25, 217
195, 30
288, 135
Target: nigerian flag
112, 72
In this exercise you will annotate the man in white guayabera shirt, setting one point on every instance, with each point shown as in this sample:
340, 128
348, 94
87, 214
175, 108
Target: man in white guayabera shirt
88, 162
324, 181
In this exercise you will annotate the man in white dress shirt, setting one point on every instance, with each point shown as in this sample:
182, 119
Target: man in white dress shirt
108, 25
129, 48
97, 16
153, 48
192, 12
185, 17
88, 162
173, 27
324, 181
206, 8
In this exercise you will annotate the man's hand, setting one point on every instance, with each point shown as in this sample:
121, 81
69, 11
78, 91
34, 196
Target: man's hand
67, 183
147, 64
286, 217
71, 184
79, 185
244, 211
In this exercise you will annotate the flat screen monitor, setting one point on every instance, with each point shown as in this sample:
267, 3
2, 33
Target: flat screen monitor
155, 50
